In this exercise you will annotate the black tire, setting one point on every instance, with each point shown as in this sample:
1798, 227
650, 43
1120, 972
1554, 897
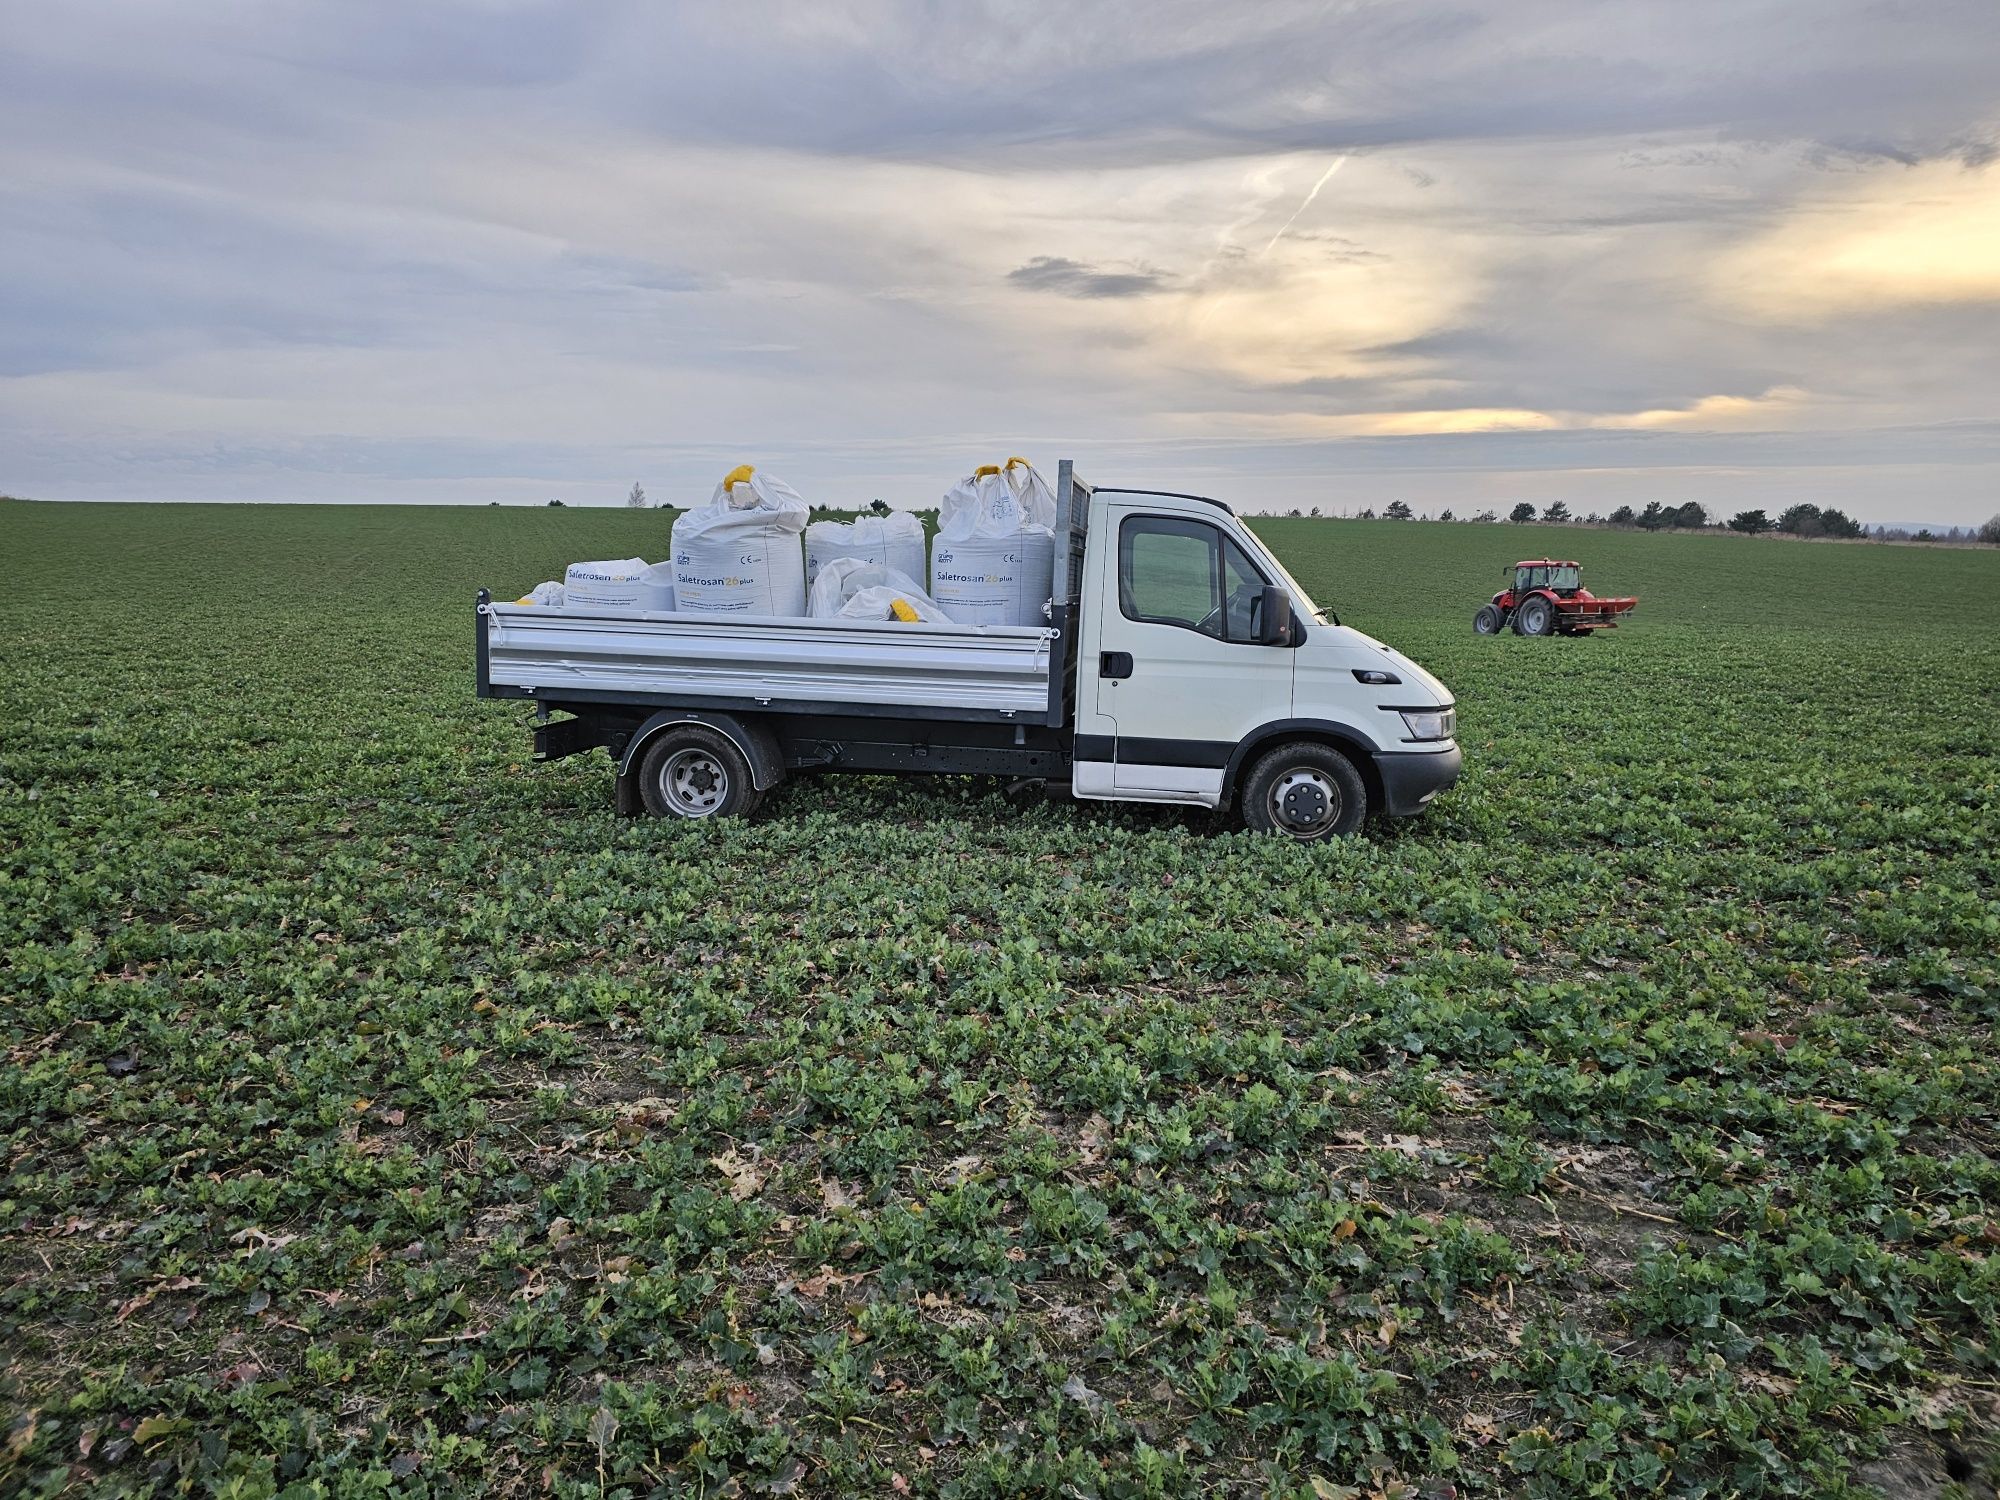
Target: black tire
1488, 620
692, 772
1305, 791
1534, 615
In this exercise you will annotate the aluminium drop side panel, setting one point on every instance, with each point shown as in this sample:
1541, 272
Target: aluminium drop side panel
947, 670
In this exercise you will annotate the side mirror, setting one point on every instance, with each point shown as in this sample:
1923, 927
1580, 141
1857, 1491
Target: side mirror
1274, 617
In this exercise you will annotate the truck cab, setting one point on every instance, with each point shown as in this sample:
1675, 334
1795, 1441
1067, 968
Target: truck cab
1178, 662
1206, 674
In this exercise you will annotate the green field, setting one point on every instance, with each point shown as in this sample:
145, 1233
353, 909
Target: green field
384, 1116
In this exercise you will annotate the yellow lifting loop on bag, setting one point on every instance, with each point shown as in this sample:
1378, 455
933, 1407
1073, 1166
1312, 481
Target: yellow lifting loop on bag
984, 469
738, 475
903, 612
1021, 461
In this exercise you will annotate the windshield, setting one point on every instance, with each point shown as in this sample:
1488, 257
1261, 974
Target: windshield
1299, 595
1562, 578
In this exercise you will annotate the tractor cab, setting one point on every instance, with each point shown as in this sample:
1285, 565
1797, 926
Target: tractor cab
1564, 578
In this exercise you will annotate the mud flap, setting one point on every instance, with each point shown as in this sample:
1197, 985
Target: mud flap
625, 795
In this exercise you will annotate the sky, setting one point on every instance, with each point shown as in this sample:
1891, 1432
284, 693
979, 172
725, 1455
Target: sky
1739, 252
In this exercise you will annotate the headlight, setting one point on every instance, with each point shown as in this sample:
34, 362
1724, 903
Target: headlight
1432, 724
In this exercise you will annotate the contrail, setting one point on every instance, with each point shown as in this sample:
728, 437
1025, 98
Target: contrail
1259, 182
1338, 162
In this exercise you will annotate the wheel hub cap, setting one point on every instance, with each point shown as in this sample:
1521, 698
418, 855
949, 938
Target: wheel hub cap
694, 783
1304, 801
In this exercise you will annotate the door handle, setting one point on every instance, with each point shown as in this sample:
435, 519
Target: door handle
1114, 665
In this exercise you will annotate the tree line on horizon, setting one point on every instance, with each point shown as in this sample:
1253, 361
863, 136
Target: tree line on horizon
1801, 520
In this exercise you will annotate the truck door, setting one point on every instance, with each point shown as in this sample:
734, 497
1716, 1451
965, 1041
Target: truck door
1180, 676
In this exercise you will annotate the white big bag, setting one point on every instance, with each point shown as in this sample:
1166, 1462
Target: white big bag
1032, 494
995, 553
853, 588
630, 586
739, 554
896, 539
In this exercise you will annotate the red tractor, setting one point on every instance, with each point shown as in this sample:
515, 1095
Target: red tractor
1548, 598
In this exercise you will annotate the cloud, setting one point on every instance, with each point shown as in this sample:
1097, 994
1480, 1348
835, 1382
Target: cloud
1774, 409
1433, 423
1928, 234
1069, 278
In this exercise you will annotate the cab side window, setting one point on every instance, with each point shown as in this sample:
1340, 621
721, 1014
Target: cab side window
1188, 574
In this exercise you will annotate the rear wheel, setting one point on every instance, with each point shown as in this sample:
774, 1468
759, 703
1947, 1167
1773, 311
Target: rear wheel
1534, 616
1487, 621
1305, 791
692, 772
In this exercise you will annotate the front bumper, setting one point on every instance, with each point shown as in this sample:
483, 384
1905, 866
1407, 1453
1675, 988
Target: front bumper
1409, 782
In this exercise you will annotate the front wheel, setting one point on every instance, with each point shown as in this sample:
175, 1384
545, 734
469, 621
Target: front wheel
1305, 791
694, 772
1487, 621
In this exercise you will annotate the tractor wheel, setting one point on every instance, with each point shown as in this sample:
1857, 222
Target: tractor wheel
1534, 616
1487, 621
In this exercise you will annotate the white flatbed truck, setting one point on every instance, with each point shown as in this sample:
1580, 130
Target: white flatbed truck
1181, 663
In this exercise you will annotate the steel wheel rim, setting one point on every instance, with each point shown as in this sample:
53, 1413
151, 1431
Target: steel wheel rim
694, 783
1537, 617
1304, 802
1484, 624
